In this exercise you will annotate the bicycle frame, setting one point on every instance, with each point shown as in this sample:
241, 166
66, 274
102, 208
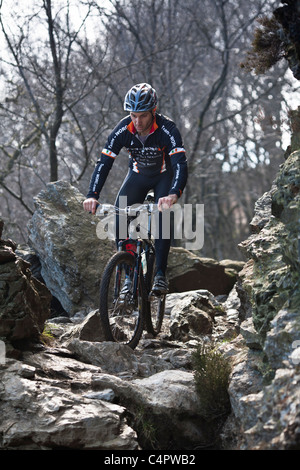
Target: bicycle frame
137, 246
142, 246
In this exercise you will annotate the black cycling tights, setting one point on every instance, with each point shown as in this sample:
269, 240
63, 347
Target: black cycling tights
136, 187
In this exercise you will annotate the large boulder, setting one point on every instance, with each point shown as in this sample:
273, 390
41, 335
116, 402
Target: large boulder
24, 301
166, 402
64, 237
187, 271
39, 414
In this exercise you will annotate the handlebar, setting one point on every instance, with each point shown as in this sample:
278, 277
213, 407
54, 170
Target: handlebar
131, 211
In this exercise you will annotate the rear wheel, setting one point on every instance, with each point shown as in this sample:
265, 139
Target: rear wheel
121, 311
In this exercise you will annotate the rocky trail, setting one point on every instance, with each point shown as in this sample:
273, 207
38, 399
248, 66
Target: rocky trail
63, 387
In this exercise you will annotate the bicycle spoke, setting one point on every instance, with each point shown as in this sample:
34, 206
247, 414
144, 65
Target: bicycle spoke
120, 309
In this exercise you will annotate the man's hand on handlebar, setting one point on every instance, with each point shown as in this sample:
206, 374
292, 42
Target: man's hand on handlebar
167, 201
90, 205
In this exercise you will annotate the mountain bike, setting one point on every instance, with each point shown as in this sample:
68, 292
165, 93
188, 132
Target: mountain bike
127, 305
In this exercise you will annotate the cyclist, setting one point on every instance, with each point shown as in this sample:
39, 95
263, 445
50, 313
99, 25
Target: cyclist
157, 162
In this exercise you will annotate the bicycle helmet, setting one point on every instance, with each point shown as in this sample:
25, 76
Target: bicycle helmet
141, 97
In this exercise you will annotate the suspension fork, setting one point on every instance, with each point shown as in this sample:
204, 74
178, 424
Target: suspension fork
137, 267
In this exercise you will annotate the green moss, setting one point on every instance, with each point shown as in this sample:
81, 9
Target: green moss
46, 336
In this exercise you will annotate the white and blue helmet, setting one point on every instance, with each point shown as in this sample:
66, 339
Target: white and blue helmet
141, 97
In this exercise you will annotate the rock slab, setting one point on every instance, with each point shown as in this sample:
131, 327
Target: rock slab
64, 237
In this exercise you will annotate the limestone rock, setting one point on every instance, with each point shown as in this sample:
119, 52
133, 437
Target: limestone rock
266, 402
283, 338
167, 401
64, 237
24, 301
273, 250
90, 328
85, 393
112, 357
57, 418
187, 272
192, 314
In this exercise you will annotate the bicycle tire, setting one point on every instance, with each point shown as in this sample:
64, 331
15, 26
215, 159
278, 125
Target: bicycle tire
121, 317
155, 305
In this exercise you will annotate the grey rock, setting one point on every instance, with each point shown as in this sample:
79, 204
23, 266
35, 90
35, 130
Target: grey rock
24, 301
58, 418
64, 238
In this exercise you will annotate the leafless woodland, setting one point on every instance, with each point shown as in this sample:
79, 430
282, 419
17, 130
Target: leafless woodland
66, 66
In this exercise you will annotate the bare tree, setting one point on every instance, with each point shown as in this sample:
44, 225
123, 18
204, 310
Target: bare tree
48, 77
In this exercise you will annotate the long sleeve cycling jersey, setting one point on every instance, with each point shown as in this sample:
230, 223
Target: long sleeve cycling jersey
162, 151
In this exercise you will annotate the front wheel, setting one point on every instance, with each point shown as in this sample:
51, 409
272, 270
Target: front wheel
155, 304
121, 310
154, 319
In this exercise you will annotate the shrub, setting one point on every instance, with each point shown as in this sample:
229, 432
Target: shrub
211, 372
267, 46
